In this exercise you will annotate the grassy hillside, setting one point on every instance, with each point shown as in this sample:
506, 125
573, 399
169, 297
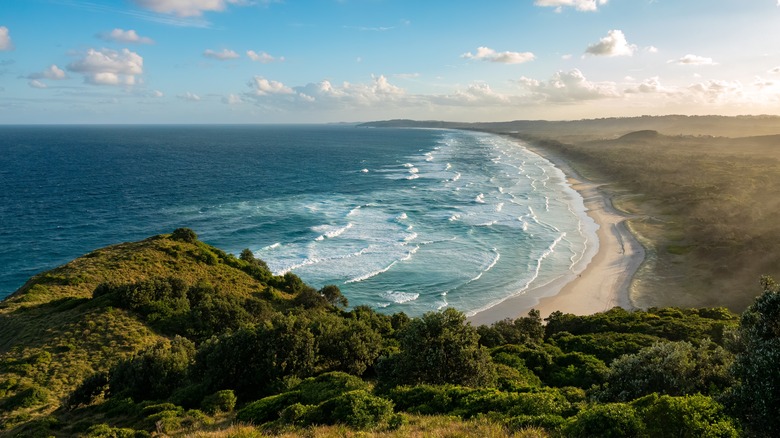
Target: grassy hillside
53, 334
172, 337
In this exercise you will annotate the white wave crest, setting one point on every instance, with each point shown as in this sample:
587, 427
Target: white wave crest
480, 198
270, 247
334, 233
401, 297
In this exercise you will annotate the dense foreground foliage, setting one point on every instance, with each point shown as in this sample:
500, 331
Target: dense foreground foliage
171, 336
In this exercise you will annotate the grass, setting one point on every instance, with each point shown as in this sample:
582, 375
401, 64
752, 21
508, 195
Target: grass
415, 426
53, 334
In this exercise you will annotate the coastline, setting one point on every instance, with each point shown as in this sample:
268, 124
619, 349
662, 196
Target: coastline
605, 281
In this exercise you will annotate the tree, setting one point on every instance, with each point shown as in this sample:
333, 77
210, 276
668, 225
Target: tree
756, 398
526, 330
332, 293
439, 348
155, 373
673, 368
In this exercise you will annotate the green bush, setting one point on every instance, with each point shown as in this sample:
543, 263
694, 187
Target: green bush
357, 409
684, 417
266, 409
106, 431
27, 397
184, 235
612, 420
220, 401
315, 390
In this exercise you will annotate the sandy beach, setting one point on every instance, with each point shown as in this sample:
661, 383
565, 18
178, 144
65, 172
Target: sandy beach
605, 281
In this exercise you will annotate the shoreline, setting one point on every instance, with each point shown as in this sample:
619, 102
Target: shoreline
605, 281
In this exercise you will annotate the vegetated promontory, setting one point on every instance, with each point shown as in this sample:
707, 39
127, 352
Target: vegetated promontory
172, 337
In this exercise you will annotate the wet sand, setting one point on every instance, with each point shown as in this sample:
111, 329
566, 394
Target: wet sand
604, 283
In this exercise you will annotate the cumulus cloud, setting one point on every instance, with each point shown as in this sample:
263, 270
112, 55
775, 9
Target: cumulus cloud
223, 55
5, 40
109, 67
717, 91
37, 84
189, 96
614, 44
263, 57
324, 94
264, 87
775, 70
124, 36
568, 87
580, 5
156, 94
478, 93
650, 85
186, 8
692, 60
53, 72
652, 49
488, 54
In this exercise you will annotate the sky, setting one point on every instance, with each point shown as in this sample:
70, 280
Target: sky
324, 61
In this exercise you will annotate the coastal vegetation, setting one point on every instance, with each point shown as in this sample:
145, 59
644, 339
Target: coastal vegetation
172, 337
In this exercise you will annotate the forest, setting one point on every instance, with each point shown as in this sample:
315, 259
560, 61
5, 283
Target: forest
172, 337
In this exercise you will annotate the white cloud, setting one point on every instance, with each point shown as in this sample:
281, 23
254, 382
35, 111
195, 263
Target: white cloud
186, 8
37, 84
650, 85
488, 54
109, 67
264, 87
614, 44
324, 94
775, 70
124, 36
5, 40
652, 49
156, 94
568, 87
190, 96
263, 57
478, 93
224, 55
717, 91
232, 99
53, 72
580, 5
692, 60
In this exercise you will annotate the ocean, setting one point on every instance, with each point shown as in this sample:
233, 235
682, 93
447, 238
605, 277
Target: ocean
409, 220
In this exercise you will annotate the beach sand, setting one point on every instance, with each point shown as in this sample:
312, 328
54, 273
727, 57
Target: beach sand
605, 281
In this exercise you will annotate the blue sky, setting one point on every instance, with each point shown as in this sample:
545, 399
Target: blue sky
291, 61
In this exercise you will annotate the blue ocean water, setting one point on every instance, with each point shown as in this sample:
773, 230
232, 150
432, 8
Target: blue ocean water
400, 219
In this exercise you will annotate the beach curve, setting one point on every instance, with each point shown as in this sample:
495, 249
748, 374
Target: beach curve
605, 281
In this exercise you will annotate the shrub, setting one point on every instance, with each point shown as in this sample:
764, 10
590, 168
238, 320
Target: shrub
357, 409
220, 401
266, 409
684, 417
26, 398
184, 235
316, 390
617, 420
